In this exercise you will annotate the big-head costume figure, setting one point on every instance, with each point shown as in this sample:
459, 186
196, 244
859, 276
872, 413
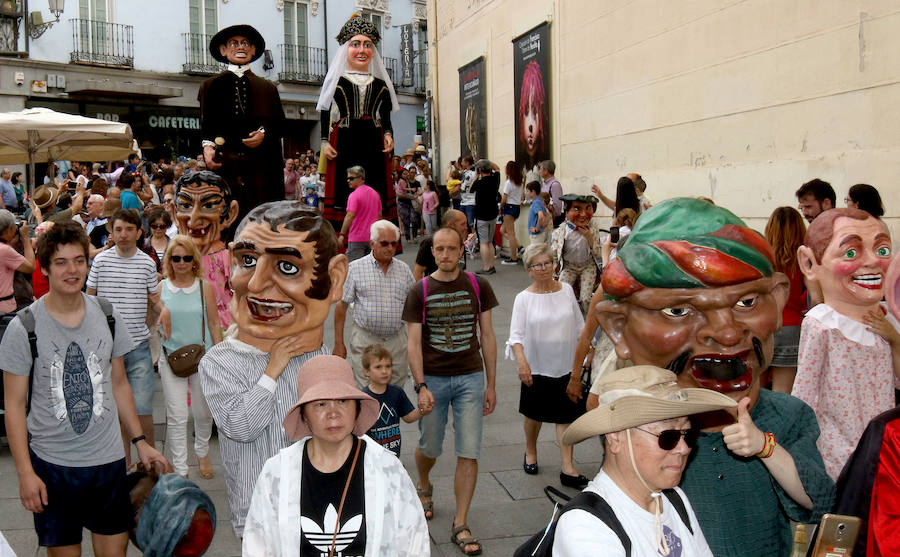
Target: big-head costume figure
286, 274
576, 245
355, 104
204, 210
848, 346
693, 290
241, 118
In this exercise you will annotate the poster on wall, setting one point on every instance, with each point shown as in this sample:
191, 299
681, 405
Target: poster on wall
531, 74
473, 110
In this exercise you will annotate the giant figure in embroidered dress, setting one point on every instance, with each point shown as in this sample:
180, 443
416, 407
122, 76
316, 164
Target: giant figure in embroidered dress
286, 274
693, 290
241, 118
355, 105
845, 371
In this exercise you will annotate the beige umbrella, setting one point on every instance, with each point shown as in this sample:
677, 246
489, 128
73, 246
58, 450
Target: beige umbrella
45, 135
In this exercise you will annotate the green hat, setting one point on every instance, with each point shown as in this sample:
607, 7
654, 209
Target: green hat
687, 243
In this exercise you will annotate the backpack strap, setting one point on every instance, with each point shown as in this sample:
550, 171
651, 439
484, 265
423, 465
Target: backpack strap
597, 506
424, 297
676, 501
26, 318
107, 308
474, 280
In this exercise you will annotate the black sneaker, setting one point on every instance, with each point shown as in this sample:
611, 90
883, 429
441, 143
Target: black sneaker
509, 261
491, 271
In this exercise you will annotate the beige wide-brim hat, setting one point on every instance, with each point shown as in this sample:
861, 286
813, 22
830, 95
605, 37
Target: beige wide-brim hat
329, 378
45, 196
634, 396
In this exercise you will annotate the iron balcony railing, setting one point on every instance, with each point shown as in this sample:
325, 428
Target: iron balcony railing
420, 75
302, 64
99, 42
197, 59
393, 69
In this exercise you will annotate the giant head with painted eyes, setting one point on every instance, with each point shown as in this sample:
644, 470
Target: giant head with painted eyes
285, 273
847, 251
204, 209
694, 290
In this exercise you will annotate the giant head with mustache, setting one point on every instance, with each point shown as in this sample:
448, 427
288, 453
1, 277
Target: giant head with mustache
694, 290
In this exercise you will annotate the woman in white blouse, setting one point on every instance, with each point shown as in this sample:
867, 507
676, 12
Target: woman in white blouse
543, 332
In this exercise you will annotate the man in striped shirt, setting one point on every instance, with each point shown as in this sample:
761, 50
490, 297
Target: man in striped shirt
126, 276
285, 273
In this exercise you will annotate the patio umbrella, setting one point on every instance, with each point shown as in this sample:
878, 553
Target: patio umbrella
45, 135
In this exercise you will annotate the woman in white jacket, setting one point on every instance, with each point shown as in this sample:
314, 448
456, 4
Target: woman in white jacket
335, 491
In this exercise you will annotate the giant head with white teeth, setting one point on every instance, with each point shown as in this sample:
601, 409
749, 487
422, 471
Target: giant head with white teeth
847, 251
694, 290
286, 273
204, 209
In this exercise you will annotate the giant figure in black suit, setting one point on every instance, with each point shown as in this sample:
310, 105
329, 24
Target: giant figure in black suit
242, 121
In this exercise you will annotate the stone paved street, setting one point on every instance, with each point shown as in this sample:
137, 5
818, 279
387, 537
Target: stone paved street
508, 506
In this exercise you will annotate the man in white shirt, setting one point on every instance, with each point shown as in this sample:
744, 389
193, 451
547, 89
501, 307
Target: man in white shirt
647, 438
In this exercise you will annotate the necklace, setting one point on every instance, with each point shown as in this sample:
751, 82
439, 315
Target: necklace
546, 290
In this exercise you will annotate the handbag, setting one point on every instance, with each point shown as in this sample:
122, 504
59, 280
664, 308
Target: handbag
184, 362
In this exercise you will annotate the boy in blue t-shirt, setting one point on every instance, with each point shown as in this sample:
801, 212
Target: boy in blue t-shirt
310, 197
537, 214
377, 361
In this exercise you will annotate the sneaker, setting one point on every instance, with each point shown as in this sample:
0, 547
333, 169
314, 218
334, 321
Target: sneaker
491, 271
509, 261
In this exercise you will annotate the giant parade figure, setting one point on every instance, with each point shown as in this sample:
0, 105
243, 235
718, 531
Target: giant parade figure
241, 120
286, 274
355, 105
694, 290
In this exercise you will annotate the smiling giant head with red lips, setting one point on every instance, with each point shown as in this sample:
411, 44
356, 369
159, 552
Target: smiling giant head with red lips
285, 273
694, 290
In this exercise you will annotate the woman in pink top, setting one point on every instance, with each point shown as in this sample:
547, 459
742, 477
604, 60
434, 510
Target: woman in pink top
429, 207
11, 260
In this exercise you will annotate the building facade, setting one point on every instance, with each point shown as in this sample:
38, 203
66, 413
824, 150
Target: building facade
142, 62
741, 102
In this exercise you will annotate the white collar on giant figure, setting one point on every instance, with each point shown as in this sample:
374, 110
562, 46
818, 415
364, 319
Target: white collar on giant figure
238, 70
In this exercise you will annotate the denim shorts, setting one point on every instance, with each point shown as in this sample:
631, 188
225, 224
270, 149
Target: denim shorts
92, 497
512, 211
469, 210
465, 393
141, 377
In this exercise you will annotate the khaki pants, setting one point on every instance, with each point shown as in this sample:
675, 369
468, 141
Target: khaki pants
395, 344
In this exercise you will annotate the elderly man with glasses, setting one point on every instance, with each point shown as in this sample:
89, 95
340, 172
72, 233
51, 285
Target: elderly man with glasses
363, 209
377, 285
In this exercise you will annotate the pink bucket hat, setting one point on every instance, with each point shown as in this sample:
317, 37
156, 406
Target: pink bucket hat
329, 378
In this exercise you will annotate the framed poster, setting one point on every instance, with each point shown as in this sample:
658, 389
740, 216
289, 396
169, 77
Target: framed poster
531, 75
473, 110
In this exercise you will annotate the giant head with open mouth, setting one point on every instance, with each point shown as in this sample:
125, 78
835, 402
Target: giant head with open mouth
694, 290
204, 209
285, 273
848, 252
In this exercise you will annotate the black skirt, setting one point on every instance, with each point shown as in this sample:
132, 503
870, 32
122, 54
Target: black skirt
546, 401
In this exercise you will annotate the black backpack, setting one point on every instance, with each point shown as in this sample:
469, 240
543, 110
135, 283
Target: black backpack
26, 317
541, 544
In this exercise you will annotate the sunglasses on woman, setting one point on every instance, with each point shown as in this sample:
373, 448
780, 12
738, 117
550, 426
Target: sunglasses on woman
669, 438
158, 226
180, 258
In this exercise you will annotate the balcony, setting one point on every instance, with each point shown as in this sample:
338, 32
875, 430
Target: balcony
302, 64
420, 73
197, 59
391, 65
102, 44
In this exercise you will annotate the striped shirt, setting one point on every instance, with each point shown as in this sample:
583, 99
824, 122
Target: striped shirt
377, 297
249, 408
126, 281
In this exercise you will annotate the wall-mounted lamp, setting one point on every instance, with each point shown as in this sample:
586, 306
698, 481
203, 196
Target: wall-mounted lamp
37, 26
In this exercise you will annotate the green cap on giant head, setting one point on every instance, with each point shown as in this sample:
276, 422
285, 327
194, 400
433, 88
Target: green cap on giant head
687, 243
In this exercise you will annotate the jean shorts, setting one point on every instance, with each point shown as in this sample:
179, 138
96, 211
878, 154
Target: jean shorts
141, 377
511, 211
92, 497
469, 210
465, 393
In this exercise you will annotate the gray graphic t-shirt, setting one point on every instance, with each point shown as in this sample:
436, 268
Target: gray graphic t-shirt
73, 419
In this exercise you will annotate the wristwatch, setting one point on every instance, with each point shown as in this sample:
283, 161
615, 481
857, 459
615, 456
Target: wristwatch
418, 387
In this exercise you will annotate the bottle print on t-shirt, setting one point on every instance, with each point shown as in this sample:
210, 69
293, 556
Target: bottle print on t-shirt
321, 536
75, 388
450, 321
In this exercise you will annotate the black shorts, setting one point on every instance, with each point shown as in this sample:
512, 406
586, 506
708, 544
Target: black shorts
92, 497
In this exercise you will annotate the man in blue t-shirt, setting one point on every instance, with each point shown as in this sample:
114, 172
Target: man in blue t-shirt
129, 197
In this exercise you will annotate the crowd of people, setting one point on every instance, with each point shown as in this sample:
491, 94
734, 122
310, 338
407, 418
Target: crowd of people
766, 354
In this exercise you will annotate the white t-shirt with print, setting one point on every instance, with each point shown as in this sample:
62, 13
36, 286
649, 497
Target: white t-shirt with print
580, 533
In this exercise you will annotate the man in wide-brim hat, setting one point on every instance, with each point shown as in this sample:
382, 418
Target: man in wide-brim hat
241, 120
647, 437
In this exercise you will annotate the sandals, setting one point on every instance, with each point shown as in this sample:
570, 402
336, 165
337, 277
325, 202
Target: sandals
462, 541
428, 506
206, 469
